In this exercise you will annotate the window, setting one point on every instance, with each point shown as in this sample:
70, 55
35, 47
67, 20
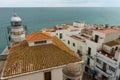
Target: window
111, 68
18, 33
68, 42
74, 44
79, 53
98, 61
119, 65
60, 35
104, 67
96, 38
16, 23
88, 61
39, 42
116, 48
47, 76
89, 51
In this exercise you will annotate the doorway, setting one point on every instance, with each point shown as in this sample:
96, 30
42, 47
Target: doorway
104, 67
96, 38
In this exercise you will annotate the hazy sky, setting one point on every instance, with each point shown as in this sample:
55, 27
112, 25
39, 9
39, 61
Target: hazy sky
60, 3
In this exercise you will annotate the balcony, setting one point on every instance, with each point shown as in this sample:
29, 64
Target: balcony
9, 28
104, 53
104, 72
106, 58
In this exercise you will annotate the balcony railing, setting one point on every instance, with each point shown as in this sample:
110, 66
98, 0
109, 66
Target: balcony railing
9, 28
106, 54
17, 33
104, 72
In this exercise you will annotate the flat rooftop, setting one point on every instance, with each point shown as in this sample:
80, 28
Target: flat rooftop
113, 43
76, 37
49, 29
87, 31
23, 59
107, 30
118, 40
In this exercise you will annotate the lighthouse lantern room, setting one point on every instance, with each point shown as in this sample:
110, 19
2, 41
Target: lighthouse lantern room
16, 31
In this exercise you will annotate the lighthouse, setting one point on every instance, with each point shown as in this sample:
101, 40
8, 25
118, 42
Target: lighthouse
16, 31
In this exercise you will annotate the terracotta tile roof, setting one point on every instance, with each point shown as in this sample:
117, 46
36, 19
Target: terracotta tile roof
106, 31
23, 59
38, 36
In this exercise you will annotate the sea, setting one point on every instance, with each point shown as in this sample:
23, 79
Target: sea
40, 17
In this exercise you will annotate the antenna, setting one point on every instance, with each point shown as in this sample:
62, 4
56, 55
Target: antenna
14, 11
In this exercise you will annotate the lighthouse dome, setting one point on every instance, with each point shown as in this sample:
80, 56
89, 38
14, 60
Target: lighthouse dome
16, 18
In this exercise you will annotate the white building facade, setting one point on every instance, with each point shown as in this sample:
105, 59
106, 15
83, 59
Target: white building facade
90, 45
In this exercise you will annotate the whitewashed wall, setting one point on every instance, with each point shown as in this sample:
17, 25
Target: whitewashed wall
112, 36
94, 46
78, 24
18, 38
79, 45
56, 74
35, 76
101, 35
106, 37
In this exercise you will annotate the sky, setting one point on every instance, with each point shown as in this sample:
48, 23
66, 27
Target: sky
60, 3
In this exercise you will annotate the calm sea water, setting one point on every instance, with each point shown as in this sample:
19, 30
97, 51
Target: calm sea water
37, 18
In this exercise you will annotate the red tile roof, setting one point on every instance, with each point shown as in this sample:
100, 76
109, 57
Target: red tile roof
38, 36
23, 59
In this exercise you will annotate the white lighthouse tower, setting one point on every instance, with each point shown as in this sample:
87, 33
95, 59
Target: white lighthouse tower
16, 31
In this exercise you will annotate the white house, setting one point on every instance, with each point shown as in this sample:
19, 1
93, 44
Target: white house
108, 60
39, 57
89, 40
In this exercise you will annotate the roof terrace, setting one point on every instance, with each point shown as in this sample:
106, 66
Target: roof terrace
108, 30
78, 37
113, 43
111, 56
87, 31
